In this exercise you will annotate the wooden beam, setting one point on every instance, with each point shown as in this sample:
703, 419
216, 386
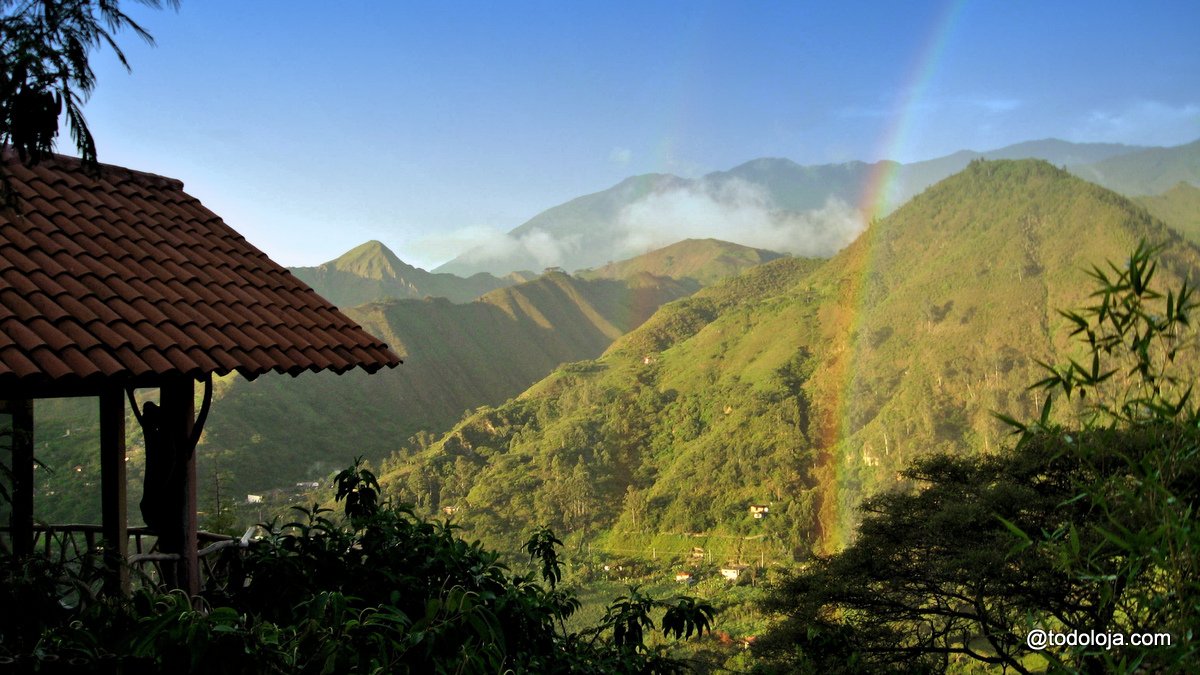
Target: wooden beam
21, 516
112, 490
179, 408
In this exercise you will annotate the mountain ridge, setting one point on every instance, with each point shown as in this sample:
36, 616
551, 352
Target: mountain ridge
371, 272
585, 232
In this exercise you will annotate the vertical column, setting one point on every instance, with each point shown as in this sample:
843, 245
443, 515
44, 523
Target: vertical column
21, 518
179, 409
113, 490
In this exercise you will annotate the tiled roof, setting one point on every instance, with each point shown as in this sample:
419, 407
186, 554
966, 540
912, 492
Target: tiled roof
125, 276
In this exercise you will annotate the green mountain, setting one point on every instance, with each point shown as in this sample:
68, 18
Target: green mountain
371, 273
1150, 171
798, 386
704, 260
1179, 208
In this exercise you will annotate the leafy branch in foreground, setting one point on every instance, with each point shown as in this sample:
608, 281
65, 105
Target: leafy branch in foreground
1137, 343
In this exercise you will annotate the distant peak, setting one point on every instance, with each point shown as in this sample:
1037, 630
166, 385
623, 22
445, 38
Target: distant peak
372, 260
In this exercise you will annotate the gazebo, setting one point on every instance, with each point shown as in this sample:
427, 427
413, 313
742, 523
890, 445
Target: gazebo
119, 280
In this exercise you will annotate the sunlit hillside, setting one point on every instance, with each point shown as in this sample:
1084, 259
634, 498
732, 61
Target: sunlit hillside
796, 385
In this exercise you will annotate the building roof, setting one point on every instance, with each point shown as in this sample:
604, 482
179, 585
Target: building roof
125, 277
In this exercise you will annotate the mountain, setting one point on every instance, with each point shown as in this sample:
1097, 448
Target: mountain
277, 429
1179, 208
1062, 153
915, 177
371, 272
1147, 172
704, 260
554, 236
798, 385
792, 187
771, 202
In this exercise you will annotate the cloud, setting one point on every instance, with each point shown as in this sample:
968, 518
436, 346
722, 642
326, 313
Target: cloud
736, 211
730, 209
444, 245
1142, 123
482, 245
969, 106
621, 156
995, 105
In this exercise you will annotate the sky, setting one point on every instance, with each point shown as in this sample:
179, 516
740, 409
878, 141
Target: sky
311, 127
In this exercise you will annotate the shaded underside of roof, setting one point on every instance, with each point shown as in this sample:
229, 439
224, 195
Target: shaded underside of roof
124, 277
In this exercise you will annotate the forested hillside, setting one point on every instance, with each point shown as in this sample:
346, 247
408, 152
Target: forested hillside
799, 386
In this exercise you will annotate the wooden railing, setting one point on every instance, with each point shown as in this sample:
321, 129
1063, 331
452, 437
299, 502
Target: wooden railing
81, 548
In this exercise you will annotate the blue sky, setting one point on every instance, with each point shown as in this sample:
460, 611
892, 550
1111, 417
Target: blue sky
314, 126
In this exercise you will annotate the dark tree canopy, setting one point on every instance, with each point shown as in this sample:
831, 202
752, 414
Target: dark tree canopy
45, 46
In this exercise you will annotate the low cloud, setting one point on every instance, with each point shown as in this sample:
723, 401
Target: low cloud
481, 245
731, 210
740, 212
621, 156
444, 245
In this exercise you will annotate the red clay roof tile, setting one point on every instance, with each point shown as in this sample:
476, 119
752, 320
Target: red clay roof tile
126, 276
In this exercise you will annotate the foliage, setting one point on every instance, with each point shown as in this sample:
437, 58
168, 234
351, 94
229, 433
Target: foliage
1139, 336
1085, 527
382, 591
1143, 495
45, 45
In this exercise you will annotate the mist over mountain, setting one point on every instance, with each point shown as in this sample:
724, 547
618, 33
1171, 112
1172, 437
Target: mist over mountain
777, 204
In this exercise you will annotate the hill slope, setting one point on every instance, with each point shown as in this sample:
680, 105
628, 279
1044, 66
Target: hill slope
278, 429
1179, 208
795, 387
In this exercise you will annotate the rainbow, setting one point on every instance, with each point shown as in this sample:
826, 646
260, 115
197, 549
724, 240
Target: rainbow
877, 199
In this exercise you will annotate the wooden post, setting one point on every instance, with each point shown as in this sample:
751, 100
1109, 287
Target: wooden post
21, 517
112, 491
179, 409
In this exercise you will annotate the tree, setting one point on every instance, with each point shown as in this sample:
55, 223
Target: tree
45, 46
379, 590
1084, 526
